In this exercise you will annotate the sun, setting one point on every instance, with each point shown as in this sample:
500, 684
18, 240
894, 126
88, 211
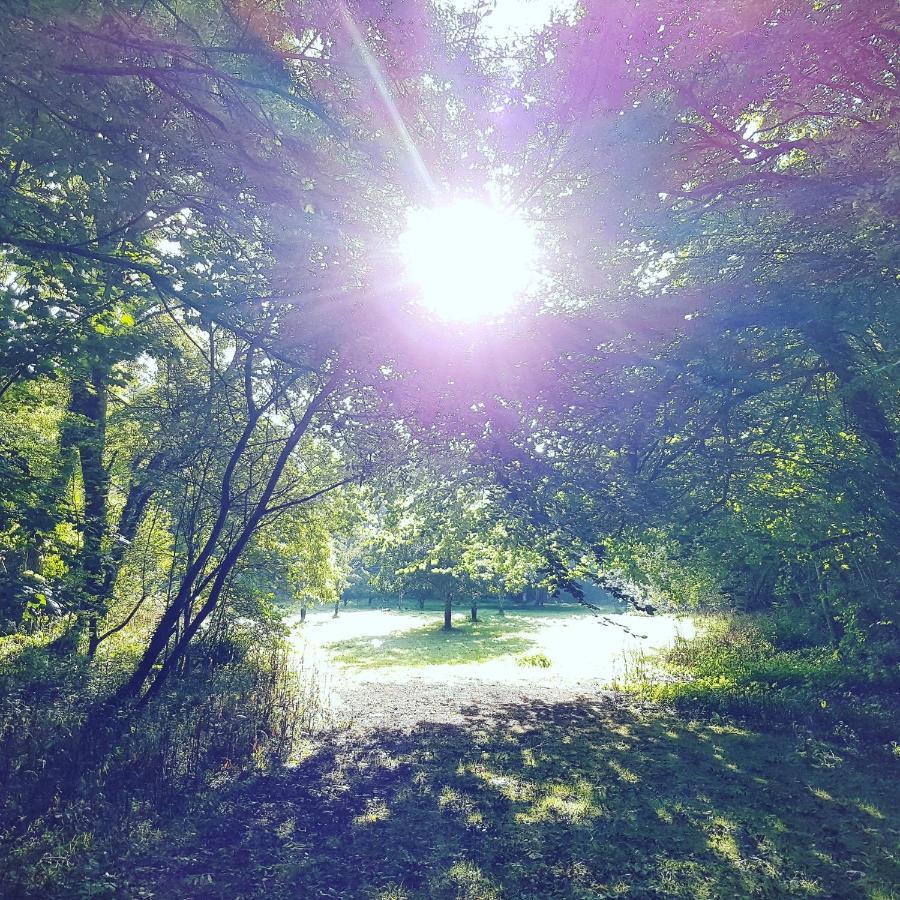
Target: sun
468, 260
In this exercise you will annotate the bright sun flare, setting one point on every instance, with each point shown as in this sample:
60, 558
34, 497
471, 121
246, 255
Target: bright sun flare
468, 260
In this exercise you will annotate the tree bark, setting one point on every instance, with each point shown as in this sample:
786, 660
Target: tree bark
448, 611
474, 610
138, 498
140, 492
89, 402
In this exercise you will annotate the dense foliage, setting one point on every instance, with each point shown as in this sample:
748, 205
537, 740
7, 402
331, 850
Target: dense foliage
219, 395
703, 399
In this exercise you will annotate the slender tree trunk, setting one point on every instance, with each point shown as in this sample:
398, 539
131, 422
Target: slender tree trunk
834, 631
337, 606
829, 621
89, 402
303, 613
140, 492
500, 610
185, 595
133, 512
474, 609
33, 558
191, 589
182, 666
448, 611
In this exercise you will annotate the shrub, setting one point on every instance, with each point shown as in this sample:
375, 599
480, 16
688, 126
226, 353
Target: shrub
733, 667
538, 660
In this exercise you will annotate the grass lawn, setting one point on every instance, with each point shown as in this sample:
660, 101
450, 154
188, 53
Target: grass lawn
428, 645
569, 641
549, 800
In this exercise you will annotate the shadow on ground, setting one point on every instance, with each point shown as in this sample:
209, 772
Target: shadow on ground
545, 801
430, 645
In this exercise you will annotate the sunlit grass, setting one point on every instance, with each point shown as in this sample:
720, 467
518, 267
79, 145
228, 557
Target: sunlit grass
571, 802
376, 811
467, 642
557, 642
471, 883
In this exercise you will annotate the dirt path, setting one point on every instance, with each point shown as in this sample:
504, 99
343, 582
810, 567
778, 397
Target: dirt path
404, 702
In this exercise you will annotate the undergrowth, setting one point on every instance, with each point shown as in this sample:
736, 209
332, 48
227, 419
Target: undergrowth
82, 780
736, 667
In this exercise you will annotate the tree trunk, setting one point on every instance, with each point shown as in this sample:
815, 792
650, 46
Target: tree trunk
143, 486
185, 624
474, 610
191, 588
303, 613
139, 495
448, 611
830, 622
89, 402
835, 632
863, 405
93, 635
184, 597
500, 610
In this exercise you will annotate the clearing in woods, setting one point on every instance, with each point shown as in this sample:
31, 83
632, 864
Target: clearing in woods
457, 773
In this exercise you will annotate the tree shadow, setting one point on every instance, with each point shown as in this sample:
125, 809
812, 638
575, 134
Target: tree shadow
430, 645
544, 801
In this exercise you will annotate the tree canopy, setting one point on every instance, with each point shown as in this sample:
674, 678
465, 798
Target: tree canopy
207, 332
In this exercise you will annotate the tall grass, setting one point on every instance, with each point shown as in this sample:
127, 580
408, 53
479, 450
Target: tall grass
734, 667
82, 781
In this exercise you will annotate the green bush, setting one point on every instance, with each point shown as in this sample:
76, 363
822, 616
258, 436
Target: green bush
733, 667
538, 660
